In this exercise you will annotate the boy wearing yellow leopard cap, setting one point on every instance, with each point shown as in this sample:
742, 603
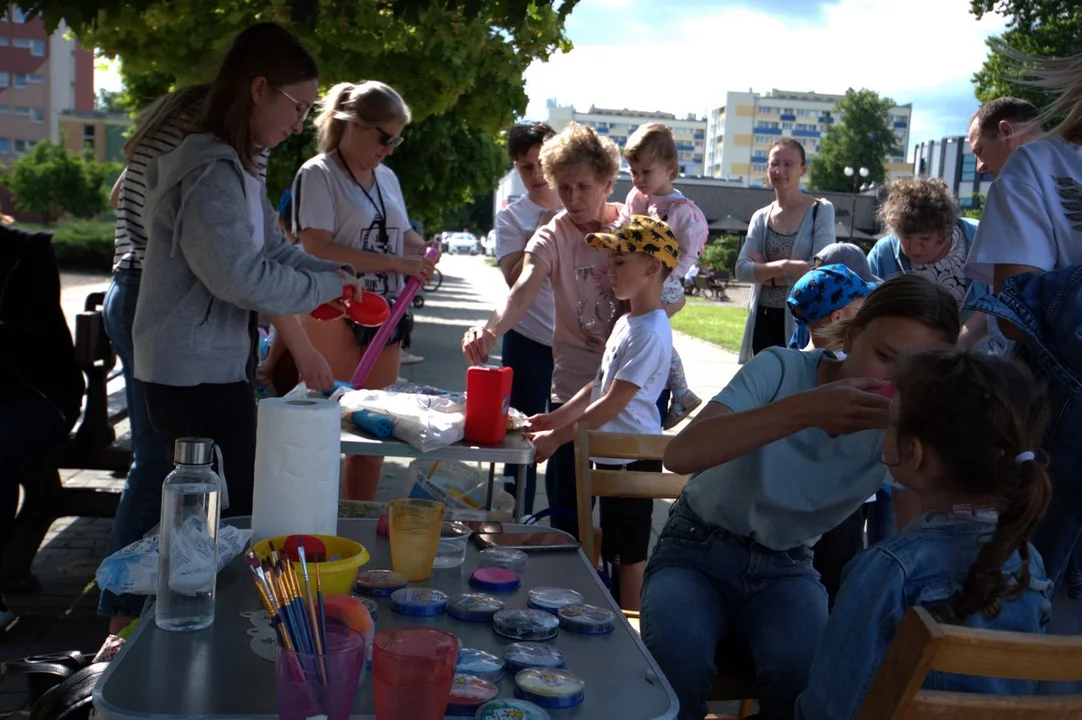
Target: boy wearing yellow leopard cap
623, 396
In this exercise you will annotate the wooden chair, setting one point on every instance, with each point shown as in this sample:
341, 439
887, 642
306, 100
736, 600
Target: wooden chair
736, 672
921, 644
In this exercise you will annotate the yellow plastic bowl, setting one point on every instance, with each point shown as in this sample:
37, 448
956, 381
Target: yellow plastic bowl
336, 576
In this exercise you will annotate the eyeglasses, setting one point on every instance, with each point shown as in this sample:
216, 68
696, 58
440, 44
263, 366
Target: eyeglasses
386, 139
302, 108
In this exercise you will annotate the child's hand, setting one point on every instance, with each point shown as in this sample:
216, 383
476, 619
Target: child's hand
264, 373
545, 443
849, 406
314, 370
543, 421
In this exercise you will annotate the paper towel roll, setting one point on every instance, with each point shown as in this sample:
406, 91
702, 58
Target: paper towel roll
297, 467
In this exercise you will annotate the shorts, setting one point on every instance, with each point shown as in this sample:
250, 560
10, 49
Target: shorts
401, 333
626, 522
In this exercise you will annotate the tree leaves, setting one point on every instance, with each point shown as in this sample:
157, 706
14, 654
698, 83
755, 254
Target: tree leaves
863, 137
458, 64
1039, 28
49, 180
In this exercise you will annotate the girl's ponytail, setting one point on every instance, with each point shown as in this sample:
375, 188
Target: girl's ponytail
332, 119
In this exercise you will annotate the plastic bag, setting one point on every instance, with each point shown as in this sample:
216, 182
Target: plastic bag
426, 422
457, 485
134, 569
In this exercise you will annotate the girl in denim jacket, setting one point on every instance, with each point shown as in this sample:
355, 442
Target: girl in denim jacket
960, 436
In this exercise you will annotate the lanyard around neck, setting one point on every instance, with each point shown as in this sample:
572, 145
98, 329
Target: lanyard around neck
381, 207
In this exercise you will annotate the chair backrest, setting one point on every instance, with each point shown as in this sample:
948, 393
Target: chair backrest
922, 644
591, 482
701, 281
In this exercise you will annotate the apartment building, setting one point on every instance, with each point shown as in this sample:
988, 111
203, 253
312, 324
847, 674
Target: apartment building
41, 77
618, 125
952, 160
739, 133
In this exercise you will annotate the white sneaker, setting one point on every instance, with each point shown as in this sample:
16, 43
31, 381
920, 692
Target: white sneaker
410, 359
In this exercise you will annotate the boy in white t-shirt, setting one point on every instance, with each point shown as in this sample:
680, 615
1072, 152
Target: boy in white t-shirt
623, 397
652, 156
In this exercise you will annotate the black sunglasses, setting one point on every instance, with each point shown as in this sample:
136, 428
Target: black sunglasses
386, 139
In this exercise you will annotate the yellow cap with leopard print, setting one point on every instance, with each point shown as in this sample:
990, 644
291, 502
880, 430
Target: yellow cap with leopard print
642, 234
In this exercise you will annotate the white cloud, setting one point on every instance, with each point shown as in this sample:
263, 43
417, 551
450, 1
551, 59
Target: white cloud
917, 49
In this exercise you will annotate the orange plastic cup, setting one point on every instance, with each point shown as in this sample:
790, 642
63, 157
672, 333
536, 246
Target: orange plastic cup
415, 526
412, 671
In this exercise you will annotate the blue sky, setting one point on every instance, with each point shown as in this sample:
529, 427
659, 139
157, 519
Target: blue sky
681, 56
682, 59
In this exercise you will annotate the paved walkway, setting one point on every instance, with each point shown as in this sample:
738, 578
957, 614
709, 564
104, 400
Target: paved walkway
61, 616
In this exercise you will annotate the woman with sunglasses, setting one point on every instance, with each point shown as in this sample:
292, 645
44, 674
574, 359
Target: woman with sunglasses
215, 256
348, 207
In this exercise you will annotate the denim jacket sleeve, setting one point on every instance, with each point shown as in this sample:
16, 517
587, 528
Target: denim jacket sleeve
865, 617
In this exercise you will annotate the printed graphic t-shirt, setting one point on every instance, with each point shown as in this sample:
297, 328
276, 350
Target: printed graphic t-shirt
585, 307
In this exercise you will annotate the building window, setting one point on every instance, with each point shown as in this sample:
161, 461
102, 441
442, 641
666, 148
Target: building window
37, 115
35, 79
758, 167
4, 109
4, 42
24, 111
5, 79
37, 48
787, 126
23, 146
21, 80
762, 139
21, 43
4, 147
14, 14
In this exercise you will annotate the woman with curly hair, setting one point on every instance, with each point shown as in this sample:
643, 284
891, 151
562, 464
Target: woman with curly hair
581, 165
928, 237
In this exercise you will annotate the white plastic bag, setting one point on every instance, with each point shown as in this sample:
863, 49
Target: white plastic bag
426, 422
134, 569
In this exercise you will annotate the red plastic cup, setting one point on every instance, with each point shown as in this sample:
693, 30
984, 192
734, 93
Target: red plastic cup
488, 398
309, 685
412, 671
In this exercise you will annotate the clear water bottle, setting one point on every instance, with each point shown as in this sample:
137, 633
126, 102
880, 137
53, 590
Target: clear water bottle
188, 539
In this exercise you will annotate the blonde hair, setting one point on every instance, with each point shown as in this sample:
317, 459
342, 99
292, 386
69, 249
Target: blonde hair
579, 145
179, 108
369, 103
918, 205
1062, 76
653, 142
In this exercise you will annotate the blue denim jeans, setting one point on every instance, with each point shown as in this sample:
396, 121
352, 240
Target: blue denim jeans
531, 362
140, 505
705, 583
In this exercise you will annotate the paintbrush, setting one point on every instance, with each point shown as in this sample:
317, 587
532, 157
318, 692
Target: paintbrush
265, 594
317, 639
297, 603
322, 610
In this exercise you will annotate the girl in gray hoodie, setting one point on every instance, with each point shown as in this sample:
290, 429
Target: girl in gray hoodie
215, 256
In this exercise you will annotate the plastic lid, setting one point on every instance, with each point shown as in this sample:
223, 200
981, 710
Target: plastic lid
525, 624
472, 661
418, 602
550, 687
469, 692
504, 558
372, 311
552, 599
370, 604
379, 583
474, 607
522, 655
495, 579
502, 709
587, 619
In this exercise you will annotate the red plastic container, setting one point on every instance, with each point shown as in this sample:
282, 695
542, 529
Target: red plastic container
488, 398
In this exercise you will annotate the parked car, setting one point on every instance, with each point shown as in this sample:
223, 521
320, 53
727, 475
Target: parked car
489, 244
461, 243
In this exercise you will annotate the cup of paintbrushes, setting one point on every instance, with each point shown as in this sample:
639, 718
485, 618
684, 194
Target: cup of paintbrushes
314, 684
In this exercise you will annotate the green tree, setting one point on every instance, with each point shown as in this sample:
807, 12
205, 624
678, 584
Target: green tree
458, 65
50, 180
861, 137
110, 101
975, 211
1039, 28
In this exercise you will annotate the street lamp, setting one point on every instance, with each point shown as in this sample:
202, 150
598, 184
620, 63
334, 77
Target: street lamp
856, 175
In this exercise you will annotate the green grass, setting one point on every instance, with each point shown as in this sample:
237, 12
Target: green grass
491, 261
713, 322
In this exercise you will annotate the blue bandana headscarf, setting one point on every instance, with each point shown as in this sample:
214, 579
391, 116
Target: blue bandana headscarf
822, 291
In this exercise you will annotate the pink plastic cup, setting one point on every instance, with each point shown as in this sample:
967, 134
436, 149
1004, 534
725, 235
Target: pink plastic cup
309, 685
412, 670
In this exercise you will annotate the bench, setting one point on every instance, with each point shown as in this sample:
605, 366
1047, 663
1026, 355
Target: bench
92, 445
711, 288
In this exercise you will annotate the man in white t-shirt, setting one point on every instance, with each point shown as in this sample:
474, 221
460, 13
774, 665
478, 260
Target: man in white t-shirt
527, 349
623, 396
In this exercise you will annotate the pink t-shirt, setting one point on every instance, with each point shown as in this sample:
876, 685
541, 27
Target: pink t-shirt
682, 215
586, 309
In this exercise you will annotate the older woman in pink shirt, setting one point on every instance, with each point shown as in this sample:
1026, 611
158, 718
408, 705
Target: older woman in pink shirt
581, 165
